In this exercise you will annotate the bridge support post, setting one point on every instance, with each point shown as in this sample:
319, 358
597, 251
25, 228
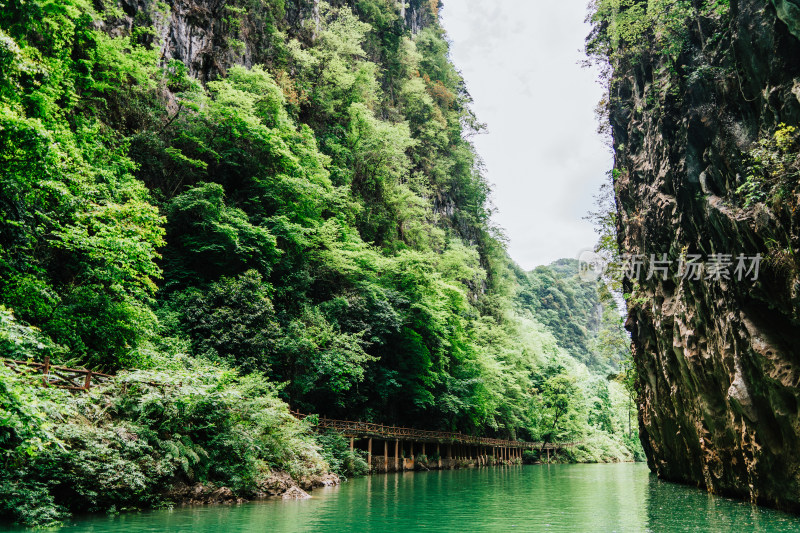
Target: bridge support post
396, 455
548, 455
351, 444
46, 371
386, 456
423, 448
439, 454
369, 453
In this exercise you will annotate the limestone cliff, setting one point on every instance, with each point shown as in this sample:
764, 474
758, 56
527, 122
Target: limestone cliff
718, 360
209, 36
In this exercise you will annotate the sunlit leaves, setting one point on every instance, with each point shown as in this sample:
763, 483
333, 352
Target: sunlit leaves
117, 245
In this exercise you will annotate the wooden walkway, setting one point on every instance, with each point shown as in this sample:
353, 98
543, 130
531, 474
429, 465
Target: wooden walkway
62, 377
366, 430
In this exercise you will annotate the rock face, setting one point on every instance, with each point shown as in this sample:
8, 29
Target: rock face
209, 36
718, 360
295, 493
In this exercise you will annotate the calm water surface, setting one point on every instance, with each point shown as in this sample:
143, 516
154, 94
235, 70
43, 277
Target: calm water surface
572, 498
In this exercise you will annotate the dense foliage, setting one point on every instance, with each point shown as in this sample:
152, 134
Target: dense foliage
128, 442
319, 221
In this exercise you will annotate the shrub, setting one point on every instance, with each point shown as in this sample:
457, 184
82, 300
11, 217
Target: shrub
530, 457
336, 451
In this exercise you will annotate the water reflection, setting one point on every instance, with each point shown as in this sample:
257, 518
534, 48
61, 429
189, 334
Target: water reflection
564, 498
675, 507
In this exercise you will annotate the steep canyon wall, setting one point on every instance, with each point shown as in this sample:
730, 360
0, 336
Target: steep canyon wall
718, 360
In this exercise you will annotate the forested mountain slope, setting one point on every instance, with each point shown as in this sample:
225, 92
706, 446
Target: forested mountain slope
582, 315
253, 202
704, 105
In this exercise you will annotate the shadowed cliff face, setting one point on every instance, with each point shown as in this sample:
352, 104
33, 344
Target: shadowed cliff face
718, 361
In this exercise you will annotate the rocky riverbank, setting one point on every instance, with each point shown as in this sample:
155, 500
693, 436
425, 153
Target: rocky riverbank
273, 485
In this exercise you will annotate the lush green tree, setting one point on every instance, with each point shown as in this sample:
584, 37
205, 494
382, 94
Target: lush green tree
232, 320
556, 405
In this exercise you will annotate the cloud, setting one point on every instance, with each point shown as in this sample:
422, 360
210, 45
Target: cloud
543, 155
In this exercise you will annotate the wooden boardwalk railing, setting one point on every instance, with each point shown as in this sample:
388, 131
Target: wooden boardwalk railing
366, 429
61, 377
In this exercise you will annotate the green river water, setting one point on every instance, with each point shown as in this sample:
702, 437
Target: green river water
574, 498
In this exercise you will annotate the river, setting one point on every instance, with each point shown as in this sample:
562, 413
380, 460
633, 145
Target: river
573, 498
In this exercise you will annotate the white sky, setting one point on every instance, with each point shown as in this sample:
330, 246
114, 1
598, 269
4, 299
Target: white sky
542, 153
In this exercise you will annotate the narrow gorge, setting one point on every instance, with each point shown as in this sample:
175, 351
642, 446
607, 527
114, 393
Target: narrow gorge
250, 252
